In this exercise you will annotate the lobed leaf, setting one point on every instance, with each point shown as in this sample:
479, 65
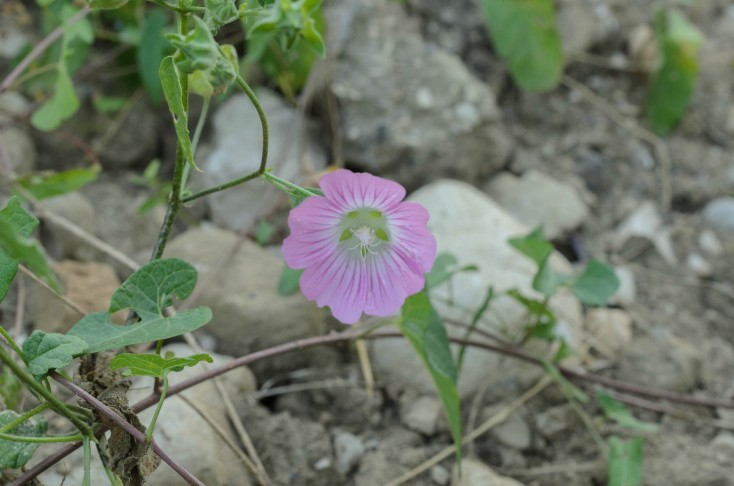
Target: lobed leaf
423, 327
625, 462
101, 334
44, 352
154, 365
14, 455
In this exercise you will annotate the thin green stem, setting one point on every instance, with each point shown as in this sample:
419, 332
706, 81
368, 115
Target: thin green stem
263, 120
31, 383
12, 343
41, 440
176, 8
164, 390
221, 187
287, 186
22, 418
197, 135
263, 157
86, 481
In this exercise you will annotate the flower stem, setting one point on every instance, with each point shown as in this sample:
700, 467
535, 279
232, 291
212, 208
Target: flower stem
31, 383
22, 418
158, 407
286, 186
12, 343
263, 157
86, 481
41, 440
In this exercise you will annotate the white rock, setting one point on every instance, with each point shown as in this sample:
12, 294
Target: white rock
699, 265
538, 199
237, 149
720, 213
645, 222
627, 291
440, 475
423, 415
475, 473
468, 224
18, 147
513, 432
349, 450
709, 243
556, 419
611, 329
61, 243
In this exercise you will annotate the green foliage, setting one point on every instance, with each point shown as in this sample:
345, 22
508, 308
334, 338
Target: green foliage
151, 49
63, 103
13, 454
148, 291
423, 327
444, 268
10, 388
284, 50
161, 190
221, 12
174, 97
16, 226
47, 184
615, 410
288, 282
524, 33
625, 462
154, 365
108, 104
264, 231
106, 4
568, 388
44, 352
596, 284
672, 85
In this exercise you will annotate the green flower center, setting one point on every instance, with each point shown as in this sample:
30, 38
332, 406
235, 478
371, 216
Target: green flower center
364, 231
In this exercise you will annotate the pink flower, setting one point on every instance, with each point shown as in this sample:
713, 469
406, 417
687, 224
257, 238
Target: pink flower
363, 249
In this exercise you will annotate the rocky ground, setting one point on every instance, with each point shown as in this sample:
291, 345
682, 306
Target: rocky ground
413, 91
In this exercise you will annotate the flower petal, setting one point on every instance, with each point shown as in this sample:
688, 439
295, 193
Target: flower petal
314, 233
339, 283
349, 190
409, 231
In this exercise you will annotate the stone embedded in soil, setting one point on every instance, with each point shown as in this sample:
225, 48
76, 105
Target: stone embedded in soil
626, 294
238, 281
537, 199
18, 149
348, 449
699, 265
583, 24
611, 329
710, 243
422, 415
554, 420
719, 213
381, 66
61, 243
236, 150
399, 450
476, 473
660, 360
440, 475
513, 432
128, 139
90, 285
470, 225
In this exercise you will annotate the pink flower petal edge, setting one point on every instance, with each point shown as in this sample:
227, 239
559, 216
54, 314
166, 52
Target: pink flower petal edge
363, 249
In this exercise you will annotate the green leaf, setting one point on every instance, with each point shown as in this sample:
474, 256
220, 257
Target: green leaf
14, 455
151, 50
533, 246
288, 282
101, 334
672, 85
45, 352
15, 226
423, 327
569, 389
61, 106
596, 285
263, 232
172, 92
615, 410
539, 311
625, 462
49, 184
11, 388
147, 291
152, 287
221, 12
108, 104
444, 268
154, 365
197, 49
524, 33
297, 198
547, 280
106, 4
